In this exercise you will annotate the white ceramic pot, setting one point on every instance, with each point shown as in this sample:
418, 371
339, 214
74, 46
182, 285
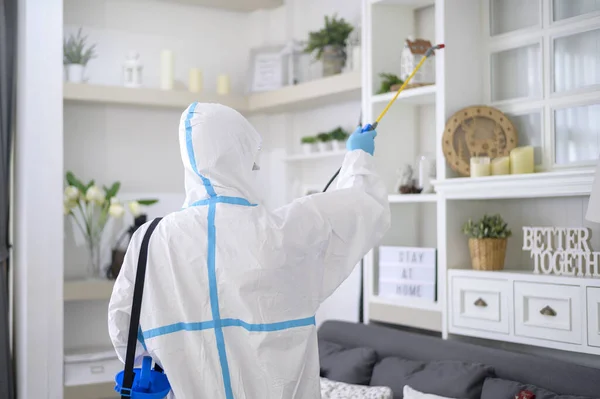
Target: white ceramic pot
324, 146
339, 145
75, 73
308, 148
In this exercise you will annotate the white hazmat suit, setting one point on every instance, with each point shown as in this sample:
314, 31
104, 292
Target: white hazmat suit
231, 289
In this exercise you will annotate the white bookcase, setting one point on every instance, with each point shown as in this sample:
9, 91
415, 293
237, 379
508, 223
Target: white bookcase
535, 61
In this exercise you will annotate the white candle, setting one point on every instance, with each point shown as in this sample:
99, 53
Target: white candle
223, 84
167, 70
501, 166
480, 166
521, 160
195, 85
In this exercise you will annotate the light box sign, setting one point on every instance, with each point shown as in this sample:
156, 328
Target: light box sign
408, 272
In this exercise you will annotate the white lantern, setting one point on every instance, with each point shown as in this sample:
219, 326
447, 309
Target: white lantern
132, 70
412, 53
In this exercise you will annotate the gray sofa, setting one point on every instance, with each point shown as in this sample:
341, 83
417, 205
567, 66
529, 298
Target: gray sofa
382, 356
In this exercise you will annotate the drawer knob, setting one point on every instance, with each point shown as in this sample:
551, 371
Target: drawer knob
480, 303
548, 311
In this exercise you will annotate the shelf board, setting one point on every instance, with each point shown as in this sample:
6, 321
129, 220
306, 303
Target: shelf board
424, 95
407, 302
316, 155
317, 93
232, 5
411, 198
339, 88
411, 3
92, 391
533, 185
87, 290
177, 99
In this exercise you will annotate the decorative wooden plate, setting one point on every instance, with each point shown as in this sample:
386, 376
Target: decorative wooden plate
478, 131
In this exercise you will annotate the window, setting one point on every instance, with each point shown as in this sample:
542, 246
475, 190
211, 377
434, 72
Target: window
543, 71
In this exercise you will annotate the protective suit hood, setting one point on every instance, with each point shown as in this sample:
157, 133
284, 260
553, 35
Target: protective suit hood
218, 149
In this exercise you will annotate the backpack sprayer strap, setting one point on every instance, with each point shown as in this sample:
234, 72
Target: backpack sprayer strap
136, 308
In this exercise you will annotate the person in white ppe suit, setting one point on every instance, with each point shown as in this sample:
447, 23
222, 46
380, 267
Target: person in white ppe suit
231, 289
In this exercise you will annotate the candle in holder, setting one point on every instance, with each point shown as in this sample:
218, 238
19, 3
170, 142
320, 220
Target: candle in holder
223, 84
480, 166
521, 160
501, 166
195, 85
167, 70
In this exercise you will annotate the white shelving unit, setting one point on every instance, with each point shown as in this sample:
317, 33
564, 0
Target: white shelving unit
317, 93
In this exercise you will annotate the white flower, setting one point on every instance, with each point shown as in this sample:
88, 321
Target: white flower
135, 208
68, 205
116, 210
114, 200
72, 193
94, 194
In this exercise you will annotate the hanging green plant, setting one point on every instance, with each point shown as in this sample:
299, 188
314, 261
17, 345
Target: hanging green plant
335, 33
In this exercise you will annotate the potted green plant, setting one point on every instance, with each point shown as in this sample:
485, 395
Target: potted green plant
308, 144
329, 44
91, 207
324, 142
487, 242
76, 55
388, 80
339, 137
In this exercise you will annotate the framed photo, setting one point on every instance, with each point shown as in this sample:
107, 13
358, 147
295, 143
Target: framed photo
267, 69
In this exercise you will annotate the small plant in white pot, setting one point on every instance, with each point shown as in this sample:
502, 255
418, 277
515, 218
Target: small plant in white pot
324, 142
339, 137
76, 55
308, 144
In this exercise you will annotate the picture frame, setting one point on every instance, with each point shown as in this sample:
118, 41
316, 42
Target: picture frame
267, 69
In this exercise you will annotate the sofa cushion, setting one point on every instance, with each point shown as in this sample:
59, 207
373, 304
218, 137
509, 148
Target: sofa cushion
340, 390
352, 366
448, 378
496, 388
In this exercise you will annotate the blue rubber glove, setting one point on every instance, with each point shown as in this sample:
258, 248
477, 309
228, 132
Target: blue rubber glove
360, 140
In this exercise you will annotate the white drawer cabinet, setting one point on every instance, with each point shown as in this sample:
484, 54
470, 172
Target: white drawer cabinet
555, 312
593, 316
480, 304
548, 311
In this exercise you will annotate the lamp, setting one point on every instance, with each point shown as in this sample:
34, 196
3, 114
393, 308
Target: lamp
593, 210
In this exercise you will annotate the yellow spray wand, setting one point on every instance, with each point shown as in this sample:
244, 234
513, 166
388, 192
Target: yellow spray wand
372, 126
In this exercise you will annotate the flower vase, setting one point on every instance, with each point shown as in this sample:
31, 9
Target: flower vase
94, 258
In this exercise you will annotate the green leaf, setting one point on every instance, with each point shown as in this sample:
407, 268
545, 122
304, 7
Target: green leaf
114, 189
147, 202
73, 181
90, 184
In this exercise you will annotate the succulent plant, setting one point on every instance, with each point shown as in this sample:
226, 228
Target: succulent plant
339, 134
324, 137
487, 227
308, 140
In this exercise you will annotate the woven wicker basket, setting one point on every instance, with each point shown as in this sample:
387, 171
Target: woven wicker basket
487, 253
